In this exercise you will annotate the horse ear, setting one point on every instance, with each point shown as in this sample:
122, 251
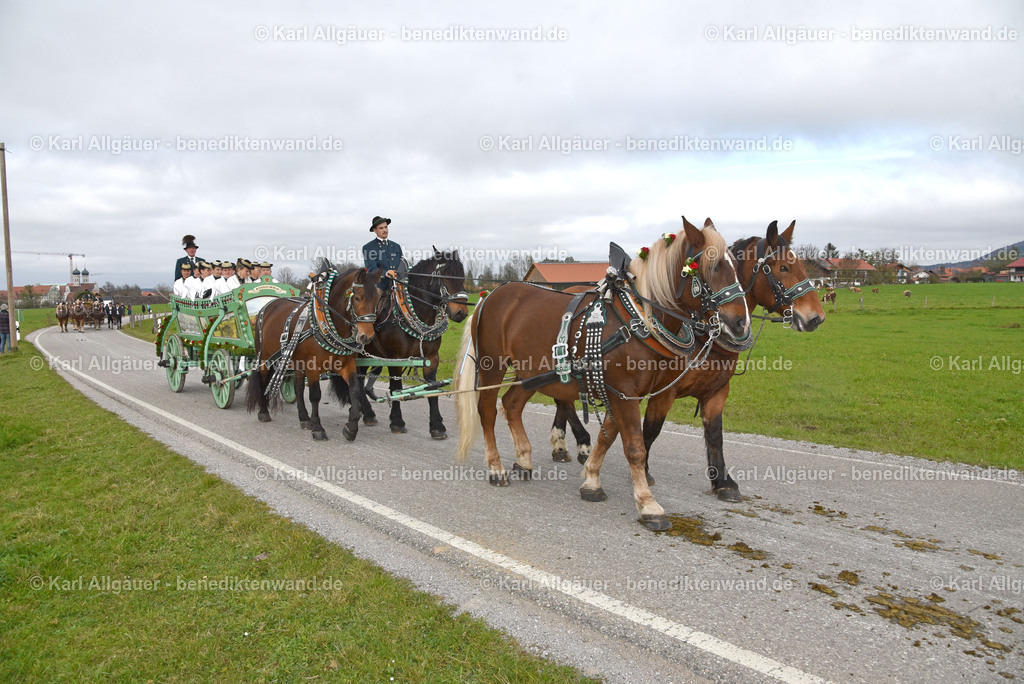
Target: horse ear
787, 235
693, 235
709, 222
773, 232
437, 252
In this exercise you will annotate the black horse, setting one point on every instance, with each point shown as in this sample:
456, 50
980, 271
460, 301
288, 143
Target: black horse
410, 323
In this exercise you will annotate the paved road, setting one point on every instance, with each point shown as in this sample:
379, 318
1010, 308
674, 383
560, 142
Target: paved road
839, 565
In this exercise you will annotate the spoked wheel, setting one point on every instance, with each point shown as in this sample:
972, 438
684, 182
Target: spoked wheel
174, 354
288, 388
221, 367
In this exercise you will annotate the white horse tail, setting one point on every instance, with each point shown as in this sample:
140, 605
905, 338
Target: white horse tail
466, 401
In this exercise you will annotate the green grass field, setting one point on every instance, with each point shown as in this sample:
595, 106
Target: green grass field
124, 561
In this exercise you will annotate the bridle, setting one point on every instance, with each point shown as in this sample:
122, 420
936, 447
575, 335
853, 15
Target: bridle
784, 297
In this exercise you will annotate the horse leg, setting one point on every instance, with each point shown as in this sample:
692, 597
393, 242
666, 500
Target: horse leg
513, 402
579, 432
300, 402
437, 428
654, 419
319, 434
487, 407
558, 451
369, 415
591, 489
395, 385
261, 378
711, 411
356, 395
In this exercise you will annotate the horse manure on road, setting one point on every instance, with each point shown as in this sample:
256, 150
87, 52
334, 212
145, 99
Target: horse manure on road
850, 577
822, 588
692, 529
747, 552
989, 556
919, 546
910, 612
818, 509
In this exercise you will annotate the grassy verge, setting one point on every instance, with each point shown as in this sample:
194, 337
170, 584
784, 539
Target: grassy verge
119, 558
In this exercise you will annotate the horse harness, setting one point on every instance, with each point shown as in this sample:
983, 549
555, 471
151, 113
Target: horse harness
314, 320
588, 368
401, 301
783, 297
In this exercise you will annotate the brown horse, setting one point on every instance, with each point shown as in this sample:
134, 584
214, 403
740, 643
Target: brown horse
327, 330
688, 288
63, 313
78, 315
774, 278
413, 326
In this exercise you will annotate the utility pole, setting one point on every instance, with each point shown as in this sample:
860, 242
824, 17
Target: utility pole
7, 248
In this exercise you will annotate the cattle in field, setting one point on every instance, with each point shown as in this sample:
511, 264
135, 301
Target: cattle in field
874, 290
906, 293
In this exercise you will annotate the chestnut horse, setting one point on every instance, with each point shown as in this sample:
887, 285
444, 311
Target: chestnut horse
413, 326
774, 278
324, 334
63, 313
524, 328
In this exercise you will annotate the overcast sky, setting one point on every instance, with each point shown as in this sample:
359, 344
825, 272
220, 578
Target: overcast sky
857, 137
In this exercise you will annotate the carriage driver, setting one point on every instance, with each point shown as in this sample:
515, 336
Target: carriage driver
382, 253
189, 243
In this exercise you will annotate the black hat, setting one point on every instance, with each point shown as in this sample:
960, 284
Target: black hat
189, 241
377, 220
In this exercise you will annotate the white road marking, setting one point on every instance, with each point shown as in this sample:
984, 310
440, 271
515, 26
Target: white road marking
705, 642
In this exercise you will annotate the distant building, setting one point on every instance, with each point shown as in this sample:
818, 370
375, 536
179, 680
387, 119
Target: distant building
1015, 271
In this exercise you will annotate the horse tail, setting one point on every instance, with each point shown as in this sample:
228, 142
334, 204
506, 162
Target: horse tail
340, 389
466, 401
254, 387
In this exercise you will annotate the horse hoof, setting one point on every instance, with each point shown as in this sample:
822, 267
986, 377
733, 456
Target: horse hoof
438, 434
264, 417
593, 494
560, 456
320, 435
729, 495
306, 424
349, 435
369, 420
656, 523
398, 429
520, 473
582, 458
498, 480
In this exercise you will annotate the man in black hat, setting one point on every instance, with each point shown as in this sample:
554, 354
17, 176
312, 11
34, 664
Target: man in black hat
189, 243
382, 253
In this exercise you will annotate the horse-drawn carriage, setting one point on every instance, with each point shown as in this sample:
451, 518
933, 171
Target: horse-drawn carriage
216, 336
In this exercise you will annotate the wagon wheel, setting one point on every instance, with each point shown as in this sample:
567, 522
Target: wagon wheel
220, 367
174, 354
288, 388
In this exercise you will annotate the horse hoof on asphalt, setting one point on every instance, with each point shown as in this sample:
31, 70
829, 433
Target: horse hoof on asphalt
438, 434
320, 435
348, 434
582, 458
369, 420
264, 417
593, 494
656, 523
560, 456
498, 479
520, 473
730, 495
398, 429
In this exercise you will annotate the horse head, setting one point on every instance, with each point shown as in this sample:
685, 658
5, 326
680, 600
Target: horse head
359, 287
774, 277
451, 277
